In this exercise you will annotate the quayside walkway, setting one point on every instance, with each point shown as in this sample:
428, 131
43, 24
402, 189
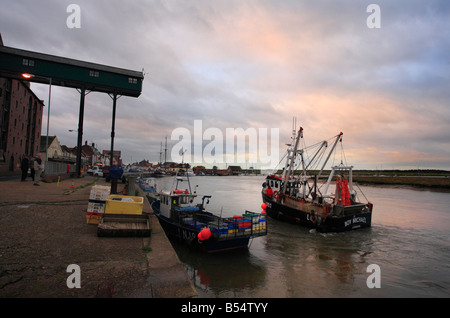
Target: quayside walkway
43, 230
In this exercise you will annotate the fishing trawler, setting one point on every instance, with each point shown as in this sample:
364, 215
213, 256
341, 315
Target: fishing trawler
299, 196
181, 218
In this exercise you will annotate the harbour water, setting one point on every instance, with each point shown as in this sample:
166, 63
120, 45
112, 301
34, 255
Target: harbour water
409, 241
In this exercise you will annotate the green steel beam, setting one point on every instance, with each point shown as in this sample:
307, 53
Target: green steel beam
69, 72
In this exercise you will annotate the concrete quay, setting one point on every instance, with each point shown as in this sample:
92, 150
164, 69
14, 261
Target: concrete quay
43, 230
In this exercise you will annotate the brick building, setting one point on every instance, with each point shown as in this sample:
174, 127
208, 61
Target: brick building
20, 123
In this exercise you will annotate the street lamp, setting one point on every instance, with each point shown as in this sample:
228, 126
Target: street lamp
28, 76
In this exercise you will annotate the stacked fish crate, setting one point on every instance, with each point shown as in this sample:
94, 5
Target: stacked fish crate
258, 221
97, 202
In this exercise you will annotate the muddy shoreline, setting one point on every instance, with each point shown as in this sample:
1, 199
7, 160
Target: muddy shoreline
418, 182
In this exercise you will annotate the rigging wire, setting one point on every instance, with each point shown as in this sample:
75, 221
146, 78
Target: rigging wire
343, 154
278, 164
361, 192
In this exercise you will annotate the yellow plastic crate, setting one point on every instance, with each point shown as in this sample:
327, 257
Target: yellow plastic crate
124, 204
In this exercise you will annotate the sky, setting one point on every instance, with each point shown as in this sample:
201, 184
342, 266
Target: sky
381, 76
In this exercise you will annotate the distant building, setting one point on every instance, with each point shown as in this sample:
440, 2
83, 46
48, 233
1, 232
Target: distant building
54, 148
68, 154
221, 172
199, 170
90, 156
145, 164
107, 156
93, 156
176, 167
230, 171
234, 170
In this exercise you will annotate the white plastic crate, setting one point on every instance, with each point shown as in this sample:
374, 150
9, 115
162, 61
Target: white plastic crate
99, 193
96, 207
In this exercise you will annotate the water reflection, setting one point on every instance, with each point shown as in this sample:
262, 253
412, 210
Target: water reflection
219, 274
317, 264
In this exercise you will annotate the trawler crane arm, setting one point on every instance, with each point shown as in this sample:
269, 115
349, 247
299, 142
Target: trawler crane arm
324, 143
338, 137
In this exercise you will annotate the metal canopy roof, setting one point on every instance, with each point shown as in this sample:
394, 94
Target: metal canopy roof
69, 72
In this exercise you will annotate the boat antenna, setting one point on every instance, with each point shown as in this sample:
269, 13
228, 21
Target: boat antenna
187, 172
294, 124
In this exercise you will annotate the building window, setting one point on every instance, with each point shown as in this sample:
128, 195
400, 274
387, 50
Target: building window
28, 62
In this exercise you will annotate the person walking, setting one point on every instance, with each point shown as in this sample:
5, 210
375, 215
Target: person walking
37, 169
31, 165
115, 173
24, 165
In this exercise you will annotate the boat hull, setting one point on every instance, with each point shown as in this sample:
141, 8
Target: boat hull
348, 221
190, 237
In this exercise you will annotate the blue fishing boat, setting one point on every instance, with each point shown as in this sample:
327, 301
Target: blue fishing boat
147, 184
182, 218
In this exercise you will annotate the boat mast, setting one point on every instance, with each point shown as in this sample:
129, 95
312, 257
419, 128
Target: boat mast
160, 157
289, 151
291, 159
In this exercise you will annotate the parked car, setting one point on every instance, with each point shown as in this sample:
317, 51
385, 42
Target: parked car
96, 171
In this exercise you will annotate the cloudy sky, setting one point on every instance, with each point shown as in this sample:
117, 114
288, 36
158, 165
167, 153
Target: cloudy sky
255, 64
